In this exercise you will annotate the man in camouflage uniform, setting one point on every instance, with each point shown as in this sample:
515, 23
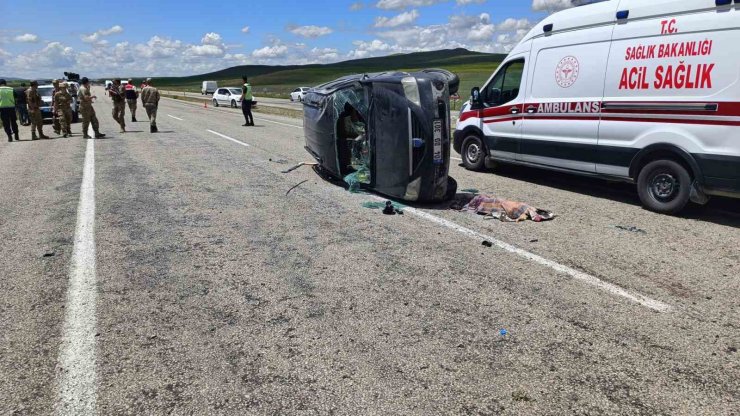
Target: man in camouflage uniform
131, 96
150, 100
63, 102
87, 112
55, 120
117, 94
33, 99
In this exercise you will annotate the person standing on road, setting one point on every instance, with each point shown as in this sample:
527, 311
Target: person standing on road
87, 111
64, 110
20, 105
55, 120
7, 111
150, 100
246, 100
131, 96
116, 93
34, 111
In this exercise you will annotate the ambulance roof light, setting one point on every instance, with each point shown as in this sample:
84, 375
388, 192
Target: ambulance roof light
724, 2
547, 28
623, 14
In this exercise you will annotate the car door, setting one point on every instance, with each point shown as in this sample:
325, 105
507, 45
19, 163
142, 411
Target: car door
564, 96
501, 117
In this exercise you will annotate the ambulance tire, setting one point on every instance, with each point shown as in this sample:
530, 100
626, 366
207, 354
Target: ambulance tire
474, 153
664, 186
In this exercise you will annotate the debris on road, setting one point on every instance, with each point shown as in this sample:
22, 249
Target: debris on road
487, 243
503, 332
470, 191
280, 161
631, 229
50, 254
388, 207
504, 210
299, 165
295, 186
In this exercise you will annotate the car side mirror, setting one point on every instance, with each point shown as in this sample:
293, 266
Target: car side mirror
476, 102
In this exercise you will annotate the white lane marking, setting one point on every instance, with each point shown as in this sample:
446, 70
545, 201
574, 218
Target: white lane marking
228, 138
282, 124
455, 158
584, 277
176, 118
77, 377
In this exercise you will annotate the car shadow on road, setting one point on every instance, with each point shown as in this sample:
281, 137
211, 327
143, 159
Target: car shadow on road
719, 210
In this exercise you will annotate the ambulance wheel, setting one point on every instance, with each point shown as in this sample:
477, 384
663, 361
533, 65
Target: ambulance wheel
664, 186
215, 102
473, 153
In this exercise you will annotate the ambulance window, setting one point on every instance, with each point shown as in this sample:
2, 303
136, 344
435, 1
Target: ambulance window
504, 87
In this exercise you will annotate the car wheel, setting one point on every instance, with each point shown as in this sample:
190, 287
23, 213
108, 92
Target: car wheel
664, 186
291, 99
215, 102
233, 103
473, 153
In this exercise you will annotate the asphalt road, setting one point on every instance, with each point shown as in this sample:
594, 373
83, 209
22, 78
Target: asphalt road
172, 274
266, 101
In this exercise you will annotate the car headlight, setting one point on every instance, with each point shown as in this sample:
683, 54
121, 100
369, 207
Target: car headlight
411, 90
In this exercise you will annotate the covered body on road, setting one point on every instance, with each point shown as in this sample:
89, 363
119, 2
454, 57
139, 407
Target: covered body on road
388, 132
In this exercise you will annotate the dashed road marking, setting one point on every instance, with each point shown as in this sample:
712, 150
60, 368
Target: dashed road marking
228, 138
77, 376
176, 118
583, 277
282, 124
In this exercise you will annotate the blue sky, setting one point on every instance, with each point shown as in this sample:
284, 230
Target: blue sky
168, 37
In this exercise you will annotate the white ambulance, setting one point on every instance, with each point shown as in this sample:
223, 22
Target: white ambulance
645, 91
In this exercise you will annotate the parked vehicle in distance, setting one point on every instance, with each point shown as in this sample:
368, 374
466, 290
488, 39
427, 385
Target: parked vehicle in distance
299, 93
644, 92
108, 83
208, 87
388, 132
227, 96
46, 92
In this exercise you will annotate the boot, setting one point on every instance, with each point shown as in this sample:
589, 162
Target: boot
86, 136
43, 136
152, 129
10, 138
33, 136
99, 135
133, 119
17, 138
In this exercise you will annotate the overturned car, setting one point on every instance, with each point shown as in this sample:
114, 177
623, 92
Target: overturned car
388, 132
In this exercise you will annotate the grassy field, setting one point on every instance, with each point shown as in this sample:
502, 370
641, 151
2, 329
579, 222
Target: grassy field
473, 68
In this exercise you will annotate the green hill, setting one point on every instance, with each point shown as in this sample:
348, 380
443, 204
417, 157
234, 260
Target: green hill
474, 68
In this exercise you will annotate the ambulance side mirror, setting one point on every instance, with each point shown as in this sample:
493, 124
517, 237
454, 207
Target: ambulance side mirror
476, 101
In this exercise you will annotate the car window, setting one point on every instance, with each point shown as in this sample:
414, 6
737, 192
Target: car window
505, 85
236, 91
45, 92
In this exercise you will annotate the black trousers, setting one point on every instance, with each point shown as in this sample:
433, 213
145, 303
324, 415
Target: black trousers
10, 120
247, 110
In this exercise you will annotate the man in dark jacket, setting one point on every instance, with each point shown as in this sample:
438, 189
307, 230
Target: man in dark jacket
20, 105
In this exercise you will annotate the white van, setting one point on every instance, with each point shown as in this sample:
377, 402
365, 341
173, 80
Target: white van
209, 87
634, 90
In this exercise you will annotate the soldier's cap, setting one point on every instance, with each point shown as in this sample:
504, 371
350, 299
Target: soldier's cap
117, 80
2, 82
84, 80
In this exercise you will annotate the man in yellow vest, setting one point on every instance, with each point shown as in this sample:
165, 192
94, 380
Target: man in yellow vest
7, 111
246, 100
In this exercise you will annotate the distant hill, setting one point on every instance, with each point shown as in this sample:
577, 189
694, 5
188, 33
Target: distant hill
279, 79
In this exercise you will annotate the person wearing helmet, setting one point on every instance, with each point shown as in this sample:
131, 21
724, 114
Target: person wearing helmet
33, 99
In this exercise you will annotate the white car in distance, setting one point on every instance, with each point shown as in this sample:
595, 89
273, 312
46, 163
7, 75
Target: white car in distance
299, 93
227, 96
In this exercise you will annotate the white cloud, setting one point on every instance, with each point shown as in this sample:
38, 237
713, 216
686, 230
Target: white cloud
212, 39
54, 57
357, 6
466, 2
511, 24
403, 19
270, 52
211, 45
245, 29
551, 5
403, 4
96, 37
159, 48
310, 31
27, 38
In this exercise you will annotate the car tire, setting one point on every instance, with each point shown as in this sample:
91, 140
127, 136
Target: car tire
474, 153
215, 102
233, 103
291, 99
664, 186
300, 99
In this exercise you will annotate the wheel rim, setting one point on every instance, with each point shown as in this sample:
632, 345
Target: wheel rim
664, 186
473, 152
215, 103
